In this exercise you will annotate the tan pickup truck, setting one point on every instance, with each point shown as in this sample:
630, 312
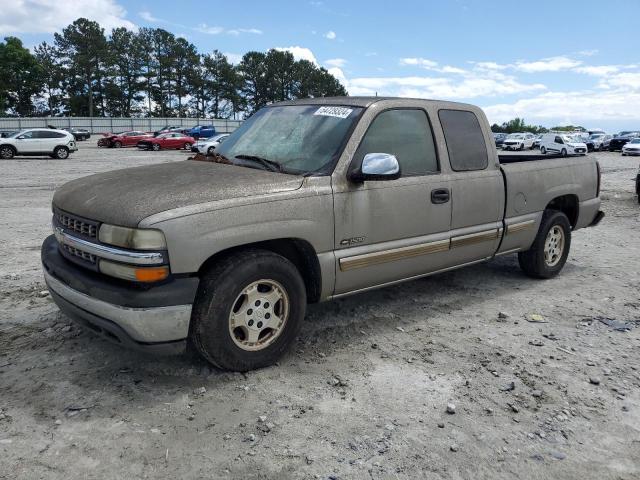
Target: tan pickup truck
307, 201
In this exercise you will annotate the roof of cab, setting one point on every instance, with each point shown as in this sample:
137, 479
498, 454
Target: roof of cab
364, 101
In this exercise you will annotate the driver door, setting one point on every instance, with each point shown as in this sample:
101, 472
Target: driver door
393, 229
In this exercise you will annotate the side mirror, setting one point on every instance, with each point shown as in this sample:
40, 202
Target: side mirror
21, 137
376, 166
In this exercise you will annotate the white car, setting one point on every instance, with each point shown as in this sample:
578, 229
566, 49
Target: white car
562, 144
207, 146
632, 147
519, 141
38, 141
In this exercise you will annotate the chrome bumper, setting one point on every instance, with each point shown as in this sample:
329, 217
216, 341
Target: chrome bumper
142, 325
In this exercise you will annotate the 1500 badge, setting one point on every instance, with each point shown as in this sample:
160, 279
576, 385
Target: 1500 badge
352, 241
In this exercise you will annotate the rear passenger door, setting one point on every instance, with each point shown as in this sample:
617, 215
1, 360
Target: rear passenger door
477, 187
393, 229
50, 140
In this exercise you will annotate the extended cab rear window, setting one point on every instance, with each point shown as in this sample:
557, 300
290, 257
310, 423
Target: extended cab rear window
465, 141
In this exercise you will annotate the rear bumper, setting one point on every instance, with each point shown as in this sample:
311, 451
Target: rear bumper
153, 319
589, 213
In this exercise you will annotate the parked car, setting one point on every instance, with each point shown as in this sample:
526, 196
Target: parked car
79, 134
632, 147
499, 138
208, 146
562, 144
124, 139
165, 129
617, 142
536, 141
518, 141
638, 184
202, 131
38, 141
167, 141
310, 200
600, 140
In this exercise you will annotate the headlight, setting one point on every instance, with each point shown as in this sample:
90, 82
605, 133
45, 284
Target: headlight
134, 273
133, 238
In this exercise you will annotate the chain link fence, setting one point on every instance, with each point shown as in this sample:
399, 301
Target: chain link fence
97, 125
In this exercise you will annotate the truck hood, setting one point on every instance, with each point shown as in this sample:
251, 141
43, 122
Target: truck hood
126, 197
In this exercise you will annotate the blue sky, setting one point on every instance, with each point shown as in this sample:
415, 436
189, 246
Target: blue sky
557, 62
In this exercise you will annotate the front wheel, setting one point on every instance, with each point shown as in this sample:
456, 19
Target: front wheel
210, 150
248, 310
563, 152
6, 152
543, 150
117, 144
550, 249
155, 147
61, 152
187, 146
521, 147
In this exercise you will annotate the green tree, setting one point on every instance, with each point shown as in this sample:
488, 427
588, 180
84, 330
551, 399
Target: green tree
21, 78
124, 83
52, 79
83, 49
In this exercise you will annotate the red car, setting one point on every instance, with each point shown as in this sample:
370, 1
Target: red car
166, 141
125, 139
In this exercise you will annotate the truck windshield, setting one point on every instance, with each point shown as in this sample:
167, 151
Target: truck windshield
302, 139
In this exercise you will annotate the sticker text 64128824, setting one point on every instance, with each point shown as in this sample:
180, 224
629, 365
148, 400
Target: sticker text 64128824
339, 112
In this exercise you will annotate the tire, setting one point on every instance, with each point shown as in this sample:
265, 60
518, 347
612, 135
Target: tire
563, 152
7, 152
210, 150
155, 147
534, 262
543, 150
222, 289
521, 147
187, 146
117, 144
61, 153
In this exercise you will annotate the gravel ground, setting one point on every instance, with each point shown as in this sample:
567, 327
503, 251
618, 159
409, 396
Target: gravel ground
365, 391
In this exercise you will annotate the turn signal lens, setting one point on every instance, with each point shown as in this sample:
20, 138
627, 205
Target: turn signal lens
133, 273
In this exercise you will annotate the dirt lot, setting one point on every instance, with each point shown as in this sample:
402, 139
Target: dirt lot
364, 392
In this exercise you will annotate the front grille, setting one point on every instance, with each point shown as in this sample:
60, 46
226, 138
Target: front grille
74, 252
83, 227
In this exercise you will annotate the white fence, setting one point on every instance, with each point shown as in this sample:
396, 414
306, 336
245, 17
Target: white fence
115, 124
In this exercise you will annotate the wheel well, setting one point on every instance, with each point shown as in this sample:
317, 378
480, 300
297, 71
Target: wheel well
299, 252
10, 146
567, 204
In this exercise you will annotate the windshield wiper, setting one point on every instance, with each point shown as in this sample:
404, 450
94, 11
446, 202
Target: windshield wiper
270, 165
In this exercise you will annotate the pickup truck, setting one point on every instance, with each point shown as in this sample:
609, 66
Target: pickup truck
309, 200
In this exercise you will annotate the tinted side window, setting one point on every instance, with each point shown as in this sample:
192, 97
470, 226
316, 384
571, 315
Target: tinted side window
50, 134
465, 142
405, 134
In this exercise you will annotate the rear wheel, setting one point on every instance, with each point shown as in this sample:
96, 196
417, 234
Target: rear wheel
187, 146
248, 310
61, 152
7, 152
550, 249
155, 147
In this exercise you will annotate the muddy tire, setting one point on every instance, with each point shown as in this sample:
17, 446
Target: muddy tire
248, 310
550, 249
61, 153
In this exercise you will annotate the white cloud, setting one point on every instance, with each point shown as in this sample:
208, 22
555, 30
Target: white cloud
331, 35
588, 53
599, 70
48, 16
148, 16
627, 80
571, 107
419, 62
335, 62
551, 64
216, 30
490, 65
299, 53
234, 58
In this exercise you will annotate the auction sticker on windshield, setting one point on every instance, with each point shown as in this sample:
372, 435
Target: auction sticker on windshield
339, 112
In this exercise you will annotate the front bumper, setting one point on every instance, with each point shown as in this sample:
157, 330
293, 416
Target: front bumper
631, 152
146, 318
